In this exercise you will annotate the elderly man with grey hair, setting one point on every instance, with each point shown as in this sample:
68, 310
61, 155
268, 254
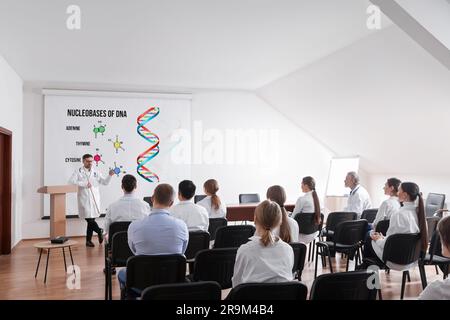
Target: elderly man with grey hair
359, 199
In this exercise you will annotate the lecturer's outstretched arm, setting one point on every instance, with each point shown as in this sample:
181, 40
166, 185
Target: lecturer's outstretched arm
104, 181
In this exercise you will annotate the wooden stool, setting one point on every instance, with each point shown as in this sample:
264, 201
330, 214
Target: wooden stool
47, 245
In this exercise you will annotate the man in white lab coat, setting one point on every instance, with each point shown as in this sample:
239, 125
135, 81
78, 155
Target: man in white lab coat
359, 199
88, 179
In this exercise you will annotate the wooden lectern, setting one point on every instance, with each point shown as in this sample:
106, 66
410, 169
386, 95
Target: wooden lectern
58, 207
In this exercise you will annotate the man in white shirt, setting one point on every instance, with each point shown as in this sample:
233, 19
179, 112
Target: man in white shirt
195, 216
359, 199
127, 208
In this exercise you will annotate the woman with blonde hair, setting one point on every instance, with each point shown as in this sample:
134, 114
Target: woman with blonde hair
265, 258
212, 203
288, 230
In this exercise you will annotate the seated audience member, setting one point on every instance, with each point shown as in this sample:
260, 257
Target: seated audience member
409, 219
129, 207
212, 203
159, 232
359, 199
391, 205
195, 216
440, 289
308, 203
265, 258
288, 230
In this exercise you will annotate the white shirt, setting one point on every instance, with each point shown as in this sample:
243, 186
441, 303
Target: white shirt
358, 201
304, 204
213, 213
437, 290
404, 220
195, 216
387, 208
127, 208
293, 226
88, 198
256, 263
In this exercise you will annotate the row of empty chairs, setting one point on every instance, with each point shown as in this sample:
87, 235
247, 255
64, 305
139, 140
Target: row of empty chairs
342, 286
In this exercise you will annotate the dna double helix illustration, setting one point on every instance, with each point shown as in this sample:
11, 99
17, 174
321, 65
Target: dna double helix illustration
153, 150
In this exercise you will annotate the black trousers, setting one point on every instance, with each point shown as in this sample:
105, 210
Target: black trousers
369, 256
91, 227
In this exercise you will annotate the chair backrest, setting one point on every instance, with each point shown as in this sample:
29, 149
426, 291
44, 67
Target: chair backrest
292, 290
117, 226
145, 271
299, 257
199, 197
233, 236
306, 223
334, 218
382, 226
350, 232
120, 251
369, 215
432, 225
215, 265
206, 290
402, 248
249, 198
214, 224
434, 202
343, 286
149, 201
198, 240
435, 248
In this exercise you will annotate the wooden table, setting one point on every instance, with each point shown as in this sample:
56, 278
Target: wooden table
245, 212
47, 245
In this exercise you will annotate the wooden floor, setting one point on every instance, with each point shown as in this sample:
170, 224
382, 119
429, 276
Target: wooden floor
18, 282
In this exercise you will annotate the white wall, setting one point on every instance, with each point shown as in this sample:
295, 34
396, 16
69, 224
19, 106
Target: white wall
298, 154
11, 119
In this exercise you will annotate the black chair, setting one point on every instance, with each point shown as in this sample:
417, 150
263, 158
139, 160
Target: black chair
307, 225
347, 239
215, 265
333, 219
149, 201
198, 240
117, 257
382, 227
199, 197
432, 223
344, 286
433, 257
206, 290
114, 228
249, 198
233, 236
369, 215
269, 291
299, 259
434, 202
145, 271
402, 249
214, 224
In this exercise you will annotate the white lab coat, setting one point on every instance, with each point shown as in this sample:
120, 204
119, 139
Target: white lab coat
195, 216
387, 209
256, 263
221, 212
127, 208
358, 201
87, 207
437, 290
404, 220
305, 204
